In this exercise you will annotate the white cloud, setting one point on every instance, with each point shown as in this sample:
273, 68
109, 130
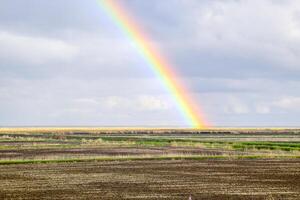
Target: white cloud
138, 103
116, 102
236, 106
103, 80
263, 109
288, 103
148, 103
34, 50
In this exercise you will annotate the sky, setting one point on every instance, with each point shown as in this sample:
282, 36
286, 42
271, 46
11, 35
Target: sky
66, 63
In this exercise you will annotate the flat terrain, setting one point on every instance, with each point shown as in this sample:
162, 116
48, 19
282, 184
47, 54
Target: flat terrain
149, 164
206, 179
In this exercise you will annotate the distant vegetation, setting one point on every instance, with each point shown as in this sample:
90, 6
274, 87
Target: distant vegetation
75, 145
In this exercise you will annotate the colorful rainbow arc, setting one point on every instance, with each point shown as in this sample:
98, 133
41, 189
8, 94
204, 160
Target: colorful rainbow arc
160, 66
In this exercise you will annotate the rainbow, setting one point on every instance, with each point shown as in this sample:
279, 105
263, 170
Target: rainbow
159, 65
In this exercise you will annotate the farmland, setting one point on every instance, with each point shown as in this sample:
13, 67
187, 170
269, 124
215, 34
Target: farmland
86, 163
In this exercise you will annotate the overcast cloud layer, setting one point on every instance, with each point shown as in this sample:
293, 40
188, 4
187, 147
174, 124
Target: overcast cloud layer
66, 63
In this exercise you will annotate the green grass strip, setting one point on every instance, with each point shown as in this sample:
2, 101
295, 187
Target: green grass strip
75, 160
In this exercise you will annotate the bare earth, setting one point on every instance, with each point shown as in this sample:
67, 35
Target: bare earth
206, 179
110, 151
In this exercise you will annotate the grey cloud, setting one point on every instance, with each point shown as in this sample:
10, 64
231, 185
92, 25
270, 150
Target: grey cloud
16, 48
228, 36
67, 63
49, 17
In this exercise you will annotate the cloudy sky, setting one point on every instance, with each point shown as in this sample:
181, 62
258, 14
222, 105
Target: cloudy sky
65, 62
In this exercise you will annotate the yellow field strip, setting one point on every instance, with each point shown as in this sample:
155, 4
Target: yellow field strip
138, 129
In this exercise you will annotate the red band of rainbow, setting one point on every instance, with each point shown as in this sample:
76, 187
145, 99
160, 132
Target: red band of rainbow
160, 65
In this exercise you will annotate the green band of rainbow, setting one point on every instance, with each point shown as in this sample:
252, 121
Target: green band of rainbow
160, 66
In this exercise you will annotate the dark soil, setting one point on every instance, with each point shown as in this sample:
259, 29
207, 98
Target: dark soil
207, 179
107, 151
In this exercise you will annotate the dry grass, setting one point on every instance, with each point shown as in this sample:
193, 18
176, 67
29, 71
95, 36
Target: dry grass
143, 129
